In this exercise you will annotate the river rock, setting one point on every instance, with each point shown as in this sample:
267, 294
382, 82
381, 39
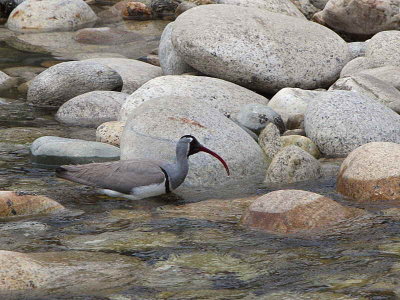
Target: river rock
291, 211
7, 82
295, 122
256, 116
360, 17
306, 8
292, 164
388, 74
170, 60
106, 36
291, 101
91, 109
285, 7
357, 49
20, 272
356, 65
153, 129
51, 15
66, 80
275, 38
110, 132
371, 87
340, 121
55, 151
20, 204
371, 173
270, 142
222, 95
134, 73
384, 48
302, 142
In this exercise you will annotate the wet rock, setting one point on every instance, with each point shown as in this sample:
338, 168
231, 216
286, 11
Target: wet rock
106, 36
24, 73
137, 11
54, 151
360, 17
256, 116
64, 81
24, 135
153, 129
196, 37
302, 142
20, 204
356, 65
91, 109
49, 15
20, 272
291, 101
110, 132
371, 173
357, 49
384, 48
270, 142
292, 164
164, 9
7, 82
388, 74
340, 121
275, 6
225, 96
291, 211
170, 60
134, 73
371, 87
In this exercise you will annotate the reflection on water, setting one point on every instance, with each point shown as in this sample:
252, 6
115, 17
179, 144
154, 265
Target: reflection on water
104, 248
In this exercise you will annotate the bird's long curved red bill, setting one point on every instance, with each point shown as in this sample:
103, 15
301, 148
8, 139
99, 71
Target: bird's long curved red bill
204, 149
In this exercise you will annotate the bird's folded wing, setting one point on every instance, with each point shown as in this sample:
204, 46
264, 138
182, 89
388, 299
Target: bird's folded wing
121, 176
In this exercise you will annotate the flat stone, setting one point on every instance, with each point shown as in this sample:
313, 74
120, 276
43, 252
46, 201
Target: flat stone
196, 36
110, 132
223, 95
371, 173
66, 80
291, 211
152, 130
20, 204
292, 164
49, 15
340, 121
302, 142
134, 73
55, 151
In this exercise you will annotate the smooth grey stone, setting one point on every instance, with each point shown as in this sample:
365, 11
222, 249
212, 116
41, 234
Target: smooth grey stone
357, 49
388, 74
340, 121
356, 65
384, 49
54, 151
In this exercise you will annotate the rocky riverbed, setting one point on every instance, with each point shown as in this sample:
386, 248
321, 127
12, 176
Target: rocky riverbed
301, 98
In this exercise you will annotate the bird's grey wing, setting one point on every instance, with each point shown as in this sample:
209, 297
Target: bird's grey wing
121, 176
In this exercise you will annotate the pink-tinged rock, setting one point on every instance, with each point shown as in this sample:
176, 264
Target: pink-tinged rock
290, 211
106, 36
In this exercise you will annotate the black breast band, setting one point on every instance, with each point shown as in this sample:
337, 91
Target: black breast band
167, 189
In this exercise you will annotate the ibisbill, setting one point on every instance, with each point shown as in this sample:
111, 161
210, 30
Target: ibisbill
137, 179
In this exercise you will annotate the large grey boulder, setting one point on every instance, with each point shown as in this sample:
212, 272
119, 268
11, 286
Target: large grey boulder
285, 7
261, 50
51, 15
152, 130
54, 151
134, 73
384, 48
290, 102
340, 121
66, 80
91, 109
223, 95
372, 87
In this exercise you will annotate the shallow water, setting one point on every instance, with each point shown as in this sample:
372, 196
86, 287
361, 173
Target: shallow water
119, 249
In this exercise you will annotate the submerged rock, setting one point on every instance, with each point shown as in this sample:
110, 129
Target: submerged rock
50, 15
66, 80
54, 151
371, 173
20, 204
291, 211
106, 36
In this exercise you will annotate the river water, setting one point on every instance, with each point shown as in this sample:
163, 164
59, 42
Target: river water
104, 248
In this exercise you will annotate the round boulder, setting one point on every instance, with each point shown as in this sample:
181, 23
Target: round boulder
66, 80
384, 49
302, 142
153, 129
51, 15
371, 173
340, 121
91, 109
222, 95
261, 50
291, 211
